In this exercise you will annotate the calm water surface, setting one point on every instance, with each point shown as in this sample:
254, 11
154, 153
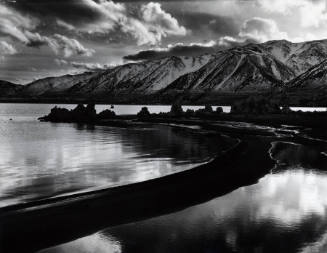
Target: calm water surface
284, 212
39, 160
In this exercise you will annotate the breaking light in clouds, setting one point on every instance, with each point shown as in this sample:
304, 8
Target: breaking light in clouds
261, 29
82, 65
69, 47
6, 49
312, 13
95, 33
191, 49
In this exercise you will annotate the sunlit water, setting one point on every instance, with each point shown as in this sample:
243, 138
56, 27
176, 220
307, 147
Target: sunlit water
39, 159
309, 109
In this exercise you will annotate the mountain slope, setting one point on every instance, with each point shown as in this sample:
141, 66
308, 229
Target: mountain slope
144, 77
167, 71
316, 77
54, 85
109, 80
9, 89
236, 70
300, 57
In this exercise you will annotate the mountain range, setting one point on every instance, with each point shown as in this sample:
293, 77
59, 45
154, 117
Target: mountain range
279, 67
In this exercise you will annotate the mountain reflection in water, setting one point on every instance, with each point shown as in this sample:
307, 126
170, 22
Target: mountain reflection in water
40, 160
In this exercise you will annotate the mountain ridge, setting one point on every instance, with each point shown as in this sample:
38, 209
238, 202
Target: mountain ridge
234, 70
249, 69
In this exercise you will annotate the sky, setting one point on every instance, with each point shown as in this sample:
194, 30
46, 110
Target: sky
40, 38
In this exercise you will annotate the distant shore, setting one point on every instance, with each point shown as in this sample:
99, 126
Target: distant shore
200, 116
198, 99
99, 102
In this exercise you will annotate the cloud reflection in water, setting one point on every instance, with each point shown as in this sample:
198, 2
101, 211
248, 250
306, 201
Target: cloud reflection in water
283, 212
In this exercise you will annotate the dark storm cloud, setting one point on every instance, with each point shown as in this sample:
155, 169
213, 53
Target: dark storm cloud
187, 50
197, 21
74, 11
146, 23
21, 30
71, 11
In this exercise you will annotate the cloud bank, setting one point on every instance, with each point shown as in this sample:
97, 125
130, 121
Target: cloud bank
147, 23
191, 49
92, 33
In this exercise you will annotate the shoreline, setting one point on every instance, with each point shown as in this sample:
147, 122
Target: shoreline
271, 117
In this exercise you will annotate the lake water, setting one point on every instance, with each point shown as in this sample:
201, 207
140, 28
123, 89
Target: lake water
309, 109
40, 159
284, 212
21, 111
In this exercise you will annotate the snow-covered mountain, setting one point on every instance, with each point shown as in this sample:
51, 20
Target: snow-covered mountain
244, 69
300, 57
144, 77
51, 86
108, 80
8, 89
309, 88
248, 69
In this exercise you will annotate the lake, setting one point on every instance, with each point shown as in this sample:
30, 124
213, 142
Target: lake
41, 160
22, 110
285, 211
